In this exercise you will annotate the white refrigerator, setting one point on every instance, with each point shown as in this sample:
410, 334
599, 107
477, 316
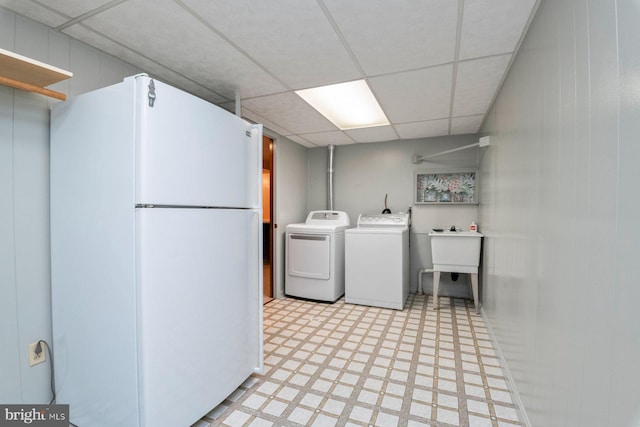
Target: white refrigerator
156, 254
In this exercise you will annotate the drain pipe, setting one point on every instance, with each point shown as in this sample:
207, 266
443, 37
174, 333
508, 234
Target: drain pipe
330, 178
420, 273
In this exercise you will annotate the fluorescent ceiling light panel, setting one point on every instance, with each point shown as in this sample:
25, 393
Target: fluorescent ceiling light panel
348, 105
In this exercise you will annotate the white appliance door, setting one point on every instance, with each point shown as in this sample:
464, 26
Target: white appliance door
199, 309
309, 255
190, 152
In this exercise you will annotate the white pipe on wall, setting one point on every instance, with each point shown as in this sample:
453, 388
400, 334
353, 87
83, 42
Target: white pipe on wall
330, 178
420, 273
238, 104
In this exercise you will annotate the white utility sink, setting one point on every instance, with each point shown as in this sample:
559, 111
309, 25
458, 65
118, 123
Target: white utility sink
455, 252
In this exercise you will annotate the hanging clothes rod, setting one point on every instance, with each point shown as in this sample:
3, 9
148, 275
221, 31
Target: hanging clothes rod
483, 142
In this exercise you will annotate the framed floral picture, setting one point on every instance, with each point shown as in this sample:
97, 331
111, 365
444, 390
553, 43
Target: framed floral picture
446, 187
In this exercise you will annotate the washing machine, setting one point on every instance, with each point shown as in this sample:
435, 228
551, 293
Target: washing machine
377, 261
315, 256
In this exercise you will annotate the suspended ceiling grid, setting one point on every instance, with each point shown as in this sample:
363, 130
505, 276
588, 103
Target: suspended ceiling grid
434, 65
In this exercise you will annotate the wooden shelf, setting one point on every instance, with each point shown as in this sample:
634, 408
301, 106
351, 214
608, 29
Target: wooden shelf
28, 74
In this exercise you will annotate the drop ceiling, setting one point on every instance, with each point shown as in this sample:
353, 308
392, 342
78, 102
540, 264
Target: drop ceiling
434, 65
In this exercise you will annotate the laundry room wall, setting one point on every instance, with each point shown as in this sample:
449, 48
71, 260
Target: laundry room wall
25, 282
364, 173
561, 215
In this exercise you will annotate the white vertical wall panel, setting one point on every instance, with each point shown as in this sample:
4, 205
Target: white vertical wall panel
59, 53
86, 60
31, 210
31, 226
547, 226
602, 209
561, 229
582, 241
7, 29
9, 337
31, 39
625, 363
570, 267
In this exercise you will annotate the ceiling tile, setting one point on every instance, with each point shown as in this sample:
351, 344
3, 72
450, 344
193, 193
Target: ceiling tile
464, 125
291, 38
491, 27
423, 129
33, 10
290, 112
256, 118
322, 139
75, 8
146, 65
390, 36
476, 84
183, 45
301, 141
373, 134
415, 95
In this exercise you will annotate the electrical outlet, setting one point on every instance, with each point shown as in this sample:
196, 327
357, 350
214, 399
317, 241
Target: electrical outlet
35, 358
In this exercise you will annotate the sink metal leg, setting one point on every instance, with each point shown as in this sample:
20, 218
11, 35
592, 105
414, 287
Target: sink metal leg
436, 283
474, 288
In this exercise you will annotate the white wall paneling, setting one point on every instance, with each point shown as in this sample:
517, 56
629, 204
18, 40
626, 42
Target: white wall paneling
625, 367
560, 224
10, 338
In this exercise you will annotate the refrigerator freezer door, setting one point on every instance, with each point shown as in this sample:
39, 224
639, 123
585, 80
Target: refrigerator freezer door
192, 153
199, 337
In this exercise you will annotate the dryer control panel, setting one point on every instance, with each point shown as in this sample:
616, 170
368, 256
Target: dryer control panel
332, 218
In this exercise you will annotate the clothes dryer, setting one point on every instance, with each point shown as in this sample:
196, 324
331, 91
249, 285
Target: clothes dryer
315, 256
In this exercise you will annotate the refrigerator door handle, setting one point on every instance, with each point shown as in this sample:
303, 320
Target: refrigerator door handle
256, 293
255, 135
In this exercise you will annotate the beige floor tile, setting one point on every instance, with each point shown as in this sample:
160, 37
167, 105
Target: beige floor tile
350, 365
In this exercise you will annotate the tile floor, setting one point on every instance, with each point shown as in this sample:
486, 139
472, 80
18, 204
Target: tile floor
349, 365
